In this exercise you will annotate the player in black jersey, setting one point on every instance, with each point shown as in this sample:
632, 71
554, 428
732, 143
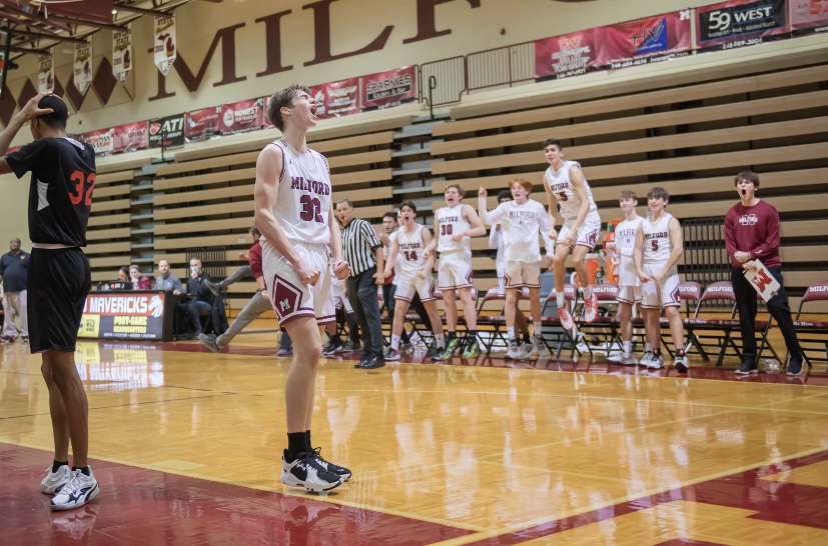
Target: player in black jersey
60, 197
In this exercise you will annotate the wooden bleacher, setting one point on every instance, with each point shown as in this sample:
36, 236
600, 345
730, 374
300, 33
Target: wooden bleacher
690, 139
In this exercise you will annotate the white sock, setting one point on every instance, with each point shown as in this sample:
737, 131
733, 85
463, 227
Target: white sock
628, 347
588, 292
440, 339
538, 327
395, 342
561, 299
510, 333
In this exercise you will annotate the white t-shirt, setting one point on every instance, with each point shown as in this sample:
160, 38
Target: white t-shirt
521, 224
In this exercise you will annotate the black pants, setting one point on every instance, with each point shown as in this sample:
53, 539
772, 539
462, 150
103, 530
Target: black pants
777, 306
362, 292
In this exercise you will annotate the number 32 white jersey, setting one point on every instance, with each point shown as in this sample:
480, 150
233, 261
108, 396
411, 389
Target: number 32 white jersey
303, 200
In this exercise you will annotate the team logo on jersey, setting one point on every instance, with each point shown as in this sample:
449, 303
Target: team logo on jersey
750, 219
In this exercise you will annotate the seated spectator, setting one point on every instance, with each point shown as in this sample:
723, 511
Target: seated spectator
123, 274
167, 280
202, 302
139, 281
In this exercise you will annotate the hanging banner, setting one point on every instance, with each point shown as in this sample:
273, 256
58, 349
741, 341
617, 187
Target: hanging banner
102, 140
650, 39
167, 131
201, 124
738, 23
130, 137
336, 99
45, 73
82, 67
244, 115
565, 56
90, 10
165, 51
809, 15
389, 88
121, 54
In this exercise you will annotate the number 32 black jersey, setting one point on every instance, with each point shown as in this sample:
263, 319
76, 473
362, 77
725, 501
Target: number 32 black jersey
60, 196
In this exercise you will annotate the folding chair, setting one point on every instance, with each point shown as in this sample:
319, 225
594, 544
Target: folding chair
496, 324
552, 332
813, 336
604, 326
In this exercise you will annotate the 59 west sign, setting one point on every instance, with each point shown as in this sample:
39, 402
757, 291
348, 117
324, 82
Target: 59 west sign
740, 22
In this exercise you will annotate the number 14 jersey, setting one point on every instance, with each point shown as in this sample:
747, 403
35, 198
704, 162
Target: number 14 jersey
303, 200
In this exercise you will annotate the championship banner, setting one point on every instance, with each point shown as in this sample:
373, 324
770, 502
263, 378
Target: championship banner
167, 131
201, 124
121, 54
389, 88
131, 316
738, 23
102, 140
809, 15
130, 137
45, 73
95, 10
650, 39
165, 51
564, 56
336, 99
82, 67
244, 115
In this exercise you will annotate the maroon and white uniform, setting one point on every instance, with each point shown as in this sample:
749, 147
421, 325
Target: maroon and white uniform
657, 249
302, 208
559, 184
629, 285
411, 262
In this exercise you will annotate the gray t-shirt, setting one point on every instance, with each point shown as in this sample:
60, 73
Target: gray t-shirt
15, 271
168, 283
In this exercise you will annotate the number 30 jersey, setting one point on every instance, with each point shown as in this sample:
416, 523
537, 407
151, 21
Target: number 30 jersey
303, 200
450, 220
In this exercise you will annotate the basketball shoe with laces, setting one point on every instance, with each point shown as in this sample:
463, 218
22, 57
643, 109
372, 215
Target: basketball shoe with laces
78, 491
306, 472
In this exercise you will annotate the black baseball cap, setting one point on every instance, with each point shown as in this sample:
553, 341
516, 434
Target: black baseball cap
60, 112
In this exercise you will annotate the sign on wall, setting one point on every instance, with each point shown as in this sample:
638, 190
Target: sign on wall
130, 137
809, 15
644, 40
244, 115
336, 99
564, 56
389, 88
121, 53
167, 131
201, 124
737, 23
164, 51
138, 316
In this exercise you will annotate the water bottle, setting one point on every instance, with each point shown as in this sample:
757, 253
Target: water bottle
771, 365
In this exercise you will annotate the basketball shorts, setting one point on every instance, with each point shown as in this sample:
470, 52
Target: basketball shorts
629, 285
454, 270
339, 297
59, 280
522, 274
663, 294
409, 284
289, 296
588, 233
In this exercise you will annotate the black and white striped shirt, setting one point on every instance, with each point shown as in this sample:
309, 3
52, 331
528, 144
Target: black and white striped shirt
358, 244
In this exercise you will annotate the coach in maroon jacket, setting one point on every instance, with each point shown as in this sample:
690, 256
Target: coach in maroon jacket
752, 233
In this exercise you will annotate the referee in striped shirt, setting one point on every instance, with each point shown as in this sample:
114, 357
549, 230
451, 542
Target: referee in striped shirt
362, 250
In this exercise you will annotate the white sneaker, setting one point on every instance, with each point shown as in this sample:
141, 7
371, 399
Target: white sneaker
308, 473
53, 481
656, 362
515, 352
629, 360
535, 346
77, 492
645, 359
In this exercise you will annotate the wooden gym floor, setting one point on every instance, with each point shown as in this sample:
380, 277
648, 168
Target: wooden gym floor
186, 446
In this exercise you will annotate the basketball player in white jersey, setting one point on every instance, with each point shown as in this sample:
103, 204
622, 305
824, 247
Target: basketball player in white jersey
522, 221
629, 284
412, 270
659, 246
567, 188
293, 212
454, 224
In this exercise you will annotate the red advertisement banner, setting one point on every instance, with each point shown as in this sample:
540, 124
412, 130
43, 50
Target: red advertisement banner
389, 88
564, 56
202, 124
738, 23
644, 40
336, 99
244, 115
130, 137
102, 140
811, 15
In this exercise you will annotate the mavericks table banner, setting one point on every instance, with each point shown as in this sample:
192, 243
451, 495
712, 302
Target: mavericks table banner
737, 23
125, 315
650, 39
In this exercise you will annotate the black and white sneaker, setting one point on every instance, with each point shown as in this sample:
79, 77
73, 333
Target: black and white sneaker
340, 471
794, 367
77, 491
306, 472
334, 347
748, 367
392, 355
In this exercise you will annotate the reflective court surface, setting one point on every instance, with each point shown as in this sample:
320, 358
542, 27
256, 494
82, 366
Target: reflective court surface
186, 446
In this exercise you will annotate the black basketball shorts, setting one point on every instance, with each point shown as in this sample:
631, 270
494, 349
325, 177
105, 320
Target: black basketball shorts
59, 281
